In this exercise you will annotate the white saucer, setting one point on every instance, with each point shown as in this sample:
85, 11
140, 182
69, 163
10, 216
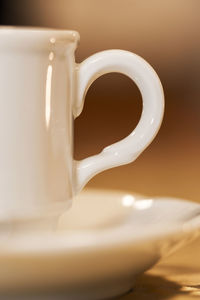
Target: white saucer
100, 245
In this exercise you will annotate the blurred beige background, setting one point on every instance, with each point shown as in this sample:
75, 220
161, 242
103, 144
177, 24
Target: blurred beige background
167, 35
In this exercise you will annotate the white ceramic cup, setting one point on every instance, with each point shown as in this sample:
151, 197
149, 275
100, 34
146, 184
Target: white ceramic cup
42, 90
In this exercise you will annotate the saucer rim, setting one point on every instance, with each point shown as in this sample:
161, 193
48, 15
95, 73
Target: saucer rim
97, 240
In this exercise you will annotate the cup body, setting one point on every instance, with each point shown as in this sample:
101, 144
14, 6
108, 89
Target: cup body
36, 123
41, 90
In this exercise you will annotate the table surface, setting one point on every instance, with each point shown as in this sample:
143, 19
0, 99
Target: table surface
174, 278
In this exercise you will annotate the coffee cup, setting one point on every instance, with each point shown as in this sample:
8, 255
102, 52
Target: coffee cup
42, 90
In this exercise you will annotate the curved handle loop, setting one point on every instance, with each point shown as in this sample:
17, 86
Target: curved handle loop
128, 149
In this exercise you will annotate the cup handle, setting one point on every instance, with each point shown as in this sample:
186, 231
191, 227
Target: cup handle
129, 148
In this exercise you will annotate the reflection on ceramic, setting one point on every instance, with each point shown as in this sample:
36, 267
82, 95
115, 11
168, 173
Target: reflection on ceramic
41, 88
98, 248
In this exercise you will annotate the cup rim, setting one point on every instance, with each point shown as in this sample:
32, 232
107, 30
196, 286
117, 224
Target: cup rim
31, 32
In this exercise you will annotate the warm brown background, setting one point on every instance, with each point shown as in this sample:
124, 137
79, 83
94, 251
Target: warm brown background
167, 34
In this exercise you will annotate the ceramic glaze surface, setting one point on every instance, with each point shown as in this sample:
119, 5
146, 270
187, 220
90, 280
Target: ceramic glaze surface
36, 85
97, 248
128, 149
41, 88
